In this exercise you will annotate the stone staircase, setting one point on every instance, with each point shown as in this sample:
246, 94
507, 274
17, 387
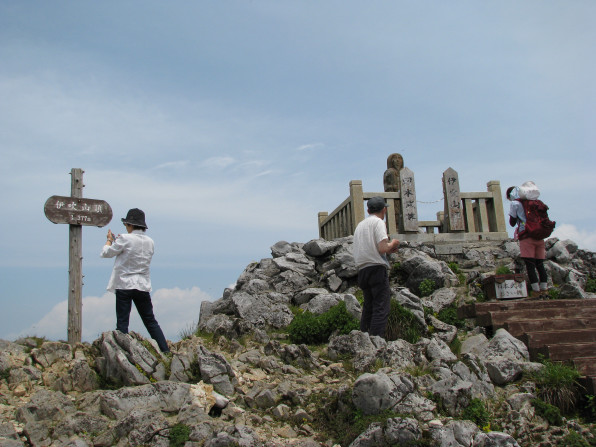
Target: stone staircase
560, 330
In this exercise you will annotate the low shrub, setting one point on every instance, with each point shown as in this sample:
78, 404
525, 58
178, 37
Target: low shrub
573, 439
427, 287
503, 270
449, 315
337, 418
454, 267
476, 412
591, 285
547, 411
5, 374
312, 329
554, 293
179, 435
557, 384
402, 323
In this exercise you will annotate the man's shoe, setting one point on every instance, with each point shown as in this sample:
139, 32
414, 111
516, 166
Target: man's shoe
535, 295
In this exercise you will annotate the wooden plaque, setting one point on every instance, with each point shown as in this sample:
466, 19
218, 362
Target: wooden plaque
78, 211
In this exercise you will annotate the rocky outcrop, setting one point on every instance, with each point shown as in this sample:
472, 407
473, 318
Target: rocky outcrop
246, 385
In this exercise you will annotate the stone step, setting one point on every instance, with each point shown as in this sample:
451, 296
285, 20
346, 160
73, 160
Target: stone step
560, 330
549, 338
517, 328
561, 352
474, 309
498, 318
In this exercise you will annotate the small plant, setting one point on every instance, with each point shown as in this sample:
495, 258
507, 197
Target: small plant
105, 383
5, 374
188, 331
591, 285
455, 346
418, 370
313, 329
179, 435
547, 411
396, 270
427, 287
336, 417
477, 413
194, 371
359, 294
402, 323
454, 267
557, 384
449, 315
503, 270
554, 294
573, 439
461, 277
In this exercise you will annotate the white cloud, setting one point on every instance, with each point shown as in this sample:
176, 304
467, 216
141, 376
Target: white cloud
171, 164
175, 310
218, 162
311, 146
585, 239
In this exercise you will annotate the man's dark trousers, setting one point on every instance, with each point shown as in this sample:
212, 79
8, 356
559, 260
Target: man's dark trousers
142, 300
374, 282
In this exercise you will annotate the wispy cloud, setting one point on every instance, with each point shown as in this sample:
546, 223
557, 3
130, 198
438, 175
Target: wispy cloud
218, 162
310, 147
171, 165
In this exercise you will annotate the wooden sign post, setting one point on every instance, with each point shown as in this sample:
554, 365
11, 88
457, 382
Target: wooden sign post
76, 212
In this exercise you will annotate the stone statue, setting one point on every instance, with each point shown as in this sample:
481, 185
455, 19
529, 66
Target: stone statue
395, 162
391, 183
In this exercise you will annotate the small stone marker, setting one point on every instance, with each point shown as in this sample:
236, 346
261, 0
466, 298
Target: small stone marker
453, 206
408, 200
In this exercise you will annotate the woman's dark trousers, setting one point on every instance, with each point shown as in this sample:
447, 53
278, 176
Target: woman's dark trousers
142, 300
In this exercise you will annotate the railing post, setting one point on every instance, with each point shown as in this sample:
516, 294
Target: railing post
357, 199
482, 216
322, 216
497, 217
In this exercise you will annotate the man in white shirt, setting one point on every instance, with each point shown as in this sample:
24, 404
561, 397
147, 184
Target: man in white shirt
371, 246
130, 278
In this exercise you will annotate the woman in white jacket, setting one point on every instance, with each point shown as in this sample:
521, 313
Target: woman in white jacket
130, 278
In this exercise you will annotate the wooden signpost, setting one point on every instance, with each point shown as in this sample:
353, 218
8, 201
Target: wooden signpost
76, 211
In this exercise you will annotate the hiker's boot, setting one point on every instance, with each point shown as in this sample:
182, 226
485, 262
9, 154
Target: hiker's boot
535, 295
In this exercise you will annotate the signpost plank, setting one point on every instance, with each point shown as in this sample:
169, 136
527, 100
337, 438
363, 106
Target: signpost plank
77, 211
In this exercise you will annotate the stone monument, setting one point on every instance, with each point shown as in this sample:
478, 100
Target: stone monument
392, 181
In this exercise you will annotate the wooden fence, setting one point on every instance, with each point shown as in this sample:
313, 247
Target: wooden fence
466, 216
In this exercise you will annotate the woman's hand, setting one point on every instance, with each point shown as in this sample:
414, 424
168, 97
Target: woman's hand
111, 237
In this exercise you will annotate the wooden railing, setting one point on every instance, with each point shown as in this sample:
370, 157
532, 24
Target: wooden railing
466, 215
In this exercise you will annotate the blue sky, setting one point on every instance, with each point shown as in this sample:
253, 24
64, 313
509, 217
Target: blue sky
233, 123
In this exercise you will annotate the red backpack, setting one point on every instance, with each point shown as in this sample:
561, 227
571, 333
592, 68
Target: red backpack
538, 225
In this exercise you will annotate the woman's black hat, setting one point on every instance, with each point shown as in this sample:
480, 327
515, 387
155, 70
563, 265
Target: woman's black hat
135, 217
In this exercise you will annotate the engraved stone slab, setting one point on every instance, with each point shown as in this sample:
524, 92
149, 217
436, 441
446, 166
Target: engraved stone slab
453, 205
408, 200
451, 249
